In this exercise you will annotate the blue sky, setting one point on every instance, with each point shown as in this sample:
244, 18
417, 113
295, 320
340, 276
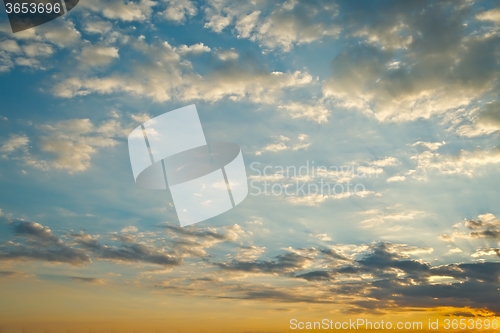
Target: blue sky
405, 92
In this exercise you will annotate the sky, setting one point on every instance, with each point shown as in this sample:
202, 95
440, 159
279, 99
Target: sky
369, 131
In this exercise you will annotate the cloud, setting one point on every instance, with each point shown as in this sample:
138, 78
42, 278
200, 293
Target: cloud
197, 48
275, 26
167, 75
486, 252
283, 263
141, 117
311, 111
490, 15
130, 228
284, 143
388, 161
486, 226
317, 276
40, 244
227, 55
315, 199
35, 48
398, 72
10, 45
249, 253
14, 143
179, 10
70, 144
465, 163
194, 241
95, 26
432, 146
379, 275
121, 10
97, 55
14, 275
485, 121
375, 217
321, 237
36, 231
395, 179
128, 252
38, 49
87, 280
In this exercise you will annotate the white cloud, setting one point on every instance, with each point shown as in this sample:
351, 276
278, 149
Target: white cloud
179, 10
432, 146
198, 48
38, 49
122, 10
10, 45
33, 47
130, 229
140, 117
163, 76
368, 170
375, 217
388, 161
28, 62
226, 55
395, 179
284, 143
97, 55
14, 142
490, 15
246, 24
69, 143
321, 237
311, 111
315, 199
250, 253
484, 120
398, 71
97, 26
284, 26
465, 163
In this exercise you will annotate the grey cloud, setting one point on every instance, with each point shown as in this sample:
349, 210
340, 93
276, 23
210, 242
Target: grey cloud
7, 273
486, 226
34, 230
129, 251
316, 276
196, 232
41, 244
491, 114
333, 254
86, 240
87, 279
138, 253
385, 276
283, 263
60, 253
276, 25
400, 71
